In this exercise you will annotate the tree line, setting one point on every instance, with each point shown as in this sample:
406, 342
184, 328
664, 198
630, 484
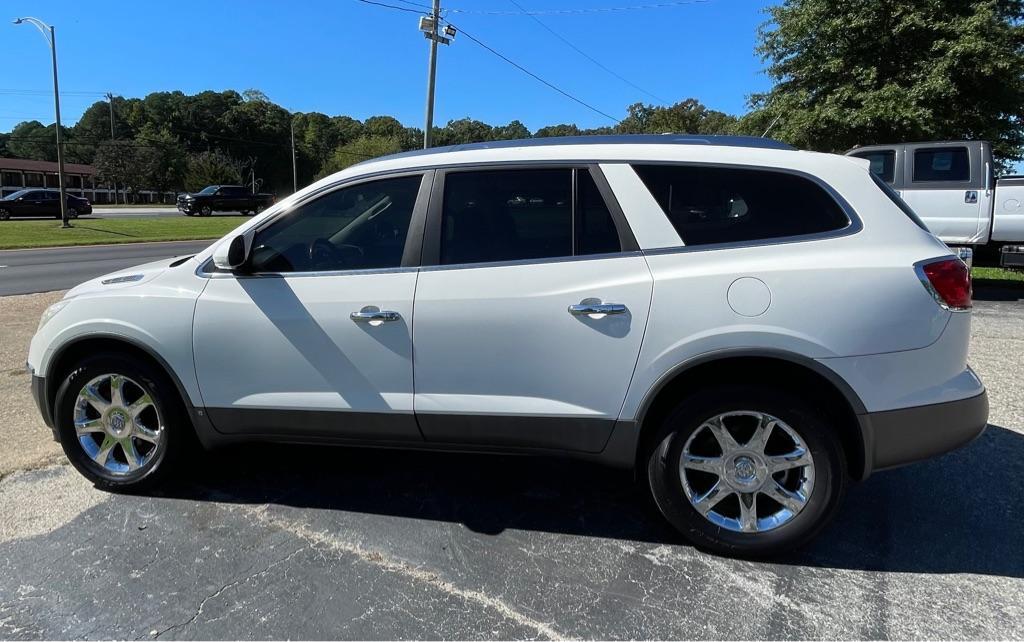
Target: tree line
844, 74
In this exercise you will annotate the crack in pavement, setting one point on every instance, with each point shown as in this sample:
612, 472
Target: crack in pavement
337, 545
202, 604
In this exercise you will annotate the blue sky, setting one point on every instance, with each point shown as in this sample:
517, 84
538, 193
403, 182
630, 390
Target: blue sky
346, 57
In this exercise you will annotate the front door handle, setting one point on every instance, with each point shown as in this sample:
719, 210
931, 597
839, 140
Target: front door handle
371, 314
581, 309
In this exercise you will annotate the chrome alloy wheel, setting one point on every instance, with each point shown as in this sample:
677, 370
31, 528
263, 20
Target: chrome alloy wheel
746, 471
118, 425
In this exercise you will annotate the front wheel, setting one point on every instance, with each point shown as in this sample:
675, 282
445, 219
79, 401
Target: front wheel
72, 213
205, 210
748, 471
4, 214
121, 423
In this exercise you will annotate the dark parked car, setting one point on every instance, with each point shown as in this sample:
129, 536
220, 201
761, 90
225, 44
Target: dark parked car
223, 198
41, 202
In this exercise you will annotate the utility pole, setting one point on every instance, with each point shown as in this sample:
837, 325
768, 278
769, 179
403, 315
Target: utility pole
295, 171
431, 74
110, 101
430, 26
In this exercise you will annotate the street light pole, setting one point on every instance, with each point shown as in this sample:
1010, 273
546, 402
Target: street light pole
52, 39
110, 103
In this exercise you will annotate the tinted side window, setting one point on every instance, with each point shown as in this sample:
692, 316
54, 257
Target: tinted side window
595, 227
353, 228
942, 164
520, 214
883, 163
723, 205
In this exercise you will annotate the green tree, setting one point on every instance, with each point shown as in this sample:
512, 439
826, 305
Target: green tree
161, 160
464, 130
686, 117
118, 163
881, 71
34, 141
512, 131
211, 168
359, 150
557, 130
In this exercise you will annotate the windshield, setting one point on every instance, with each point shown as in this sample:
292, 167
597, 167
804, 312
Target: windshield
209, 190
15, 196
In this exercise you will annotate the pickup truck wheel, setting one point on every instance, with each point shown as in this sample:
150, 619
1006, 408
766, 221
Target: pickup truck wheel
259, 208
205, 210
120, 422
748, 471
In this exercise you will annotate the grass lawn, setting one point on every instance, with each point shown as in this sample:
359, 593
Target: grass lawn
1000, 277
25, 234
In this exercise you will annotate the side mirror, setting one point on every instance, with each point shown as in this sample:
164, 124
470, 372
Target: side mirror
233, 254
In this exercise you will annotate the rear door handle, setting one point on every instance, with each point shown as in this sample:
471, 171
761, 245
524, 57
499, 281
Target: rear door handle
581, 309
375, 315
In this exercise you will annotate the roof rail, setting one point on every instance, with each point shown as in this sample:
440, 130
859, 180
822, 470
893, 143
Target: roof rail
618, 139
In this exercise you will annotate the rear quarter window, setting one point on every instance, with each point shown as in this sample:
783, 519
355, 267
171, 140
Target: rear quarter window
714, 205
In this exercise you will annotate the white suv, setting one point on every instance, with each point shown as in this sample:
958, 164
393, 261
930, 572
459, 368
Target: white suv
749, 325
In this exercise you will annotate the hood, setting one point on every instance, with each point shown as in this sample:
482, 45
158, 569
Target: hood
122, 279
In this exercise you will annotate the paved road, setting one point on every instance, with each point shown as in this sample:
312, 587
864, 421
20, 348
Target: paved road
24, 271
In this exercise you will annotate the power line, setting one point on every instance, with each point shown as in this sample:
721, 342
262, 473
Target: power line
417, 4
552, 12
41, 92
390, 6
585, 54
533, 75
506, 59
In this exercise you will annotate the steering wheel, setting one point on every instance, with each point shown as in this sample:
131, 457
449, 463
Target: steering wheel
324, 254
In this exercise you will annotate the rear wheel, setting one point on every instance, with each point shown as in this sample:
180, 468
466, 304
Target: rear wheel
4, 214
121, 423
748, 471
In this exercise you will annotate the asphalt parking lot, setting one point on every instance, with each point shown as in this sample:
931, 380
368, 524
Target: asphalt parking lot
305, 542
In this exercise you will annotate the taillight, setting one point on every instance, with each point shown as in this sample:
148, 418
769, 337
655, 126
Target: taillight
949, 281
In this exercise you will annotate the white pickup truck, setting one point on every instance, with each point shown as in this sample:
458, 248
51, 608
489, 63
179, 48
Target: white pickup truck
952, 187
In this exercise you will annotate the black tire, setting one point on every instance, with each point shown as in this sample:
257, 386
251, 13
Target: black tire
177, 439
72, 213
205, 210
813, 427
4, 215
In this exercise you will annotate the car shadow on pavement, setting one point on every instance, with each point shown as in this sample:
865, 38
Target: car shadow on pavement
994, 290
961, 513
